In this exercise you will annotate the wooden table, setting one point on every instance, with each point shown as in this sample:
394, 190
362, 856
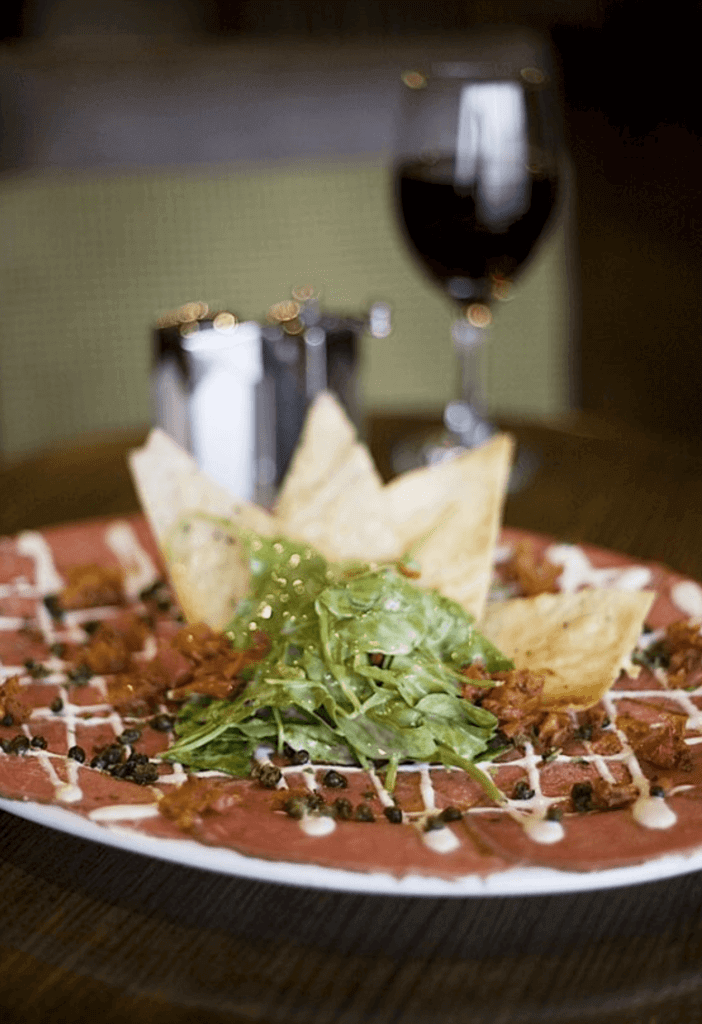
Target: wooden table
88, 931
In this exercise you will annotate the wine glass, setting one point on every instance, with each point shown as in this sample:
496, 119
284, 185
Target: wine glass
476, 180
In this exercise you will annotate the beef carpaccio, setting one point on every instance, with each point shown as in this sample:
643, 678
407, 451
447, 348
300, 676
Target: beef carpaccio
85, 709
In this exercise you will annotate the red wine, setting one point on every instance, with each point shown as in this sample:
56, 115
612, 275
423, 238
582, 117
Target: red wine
457, 243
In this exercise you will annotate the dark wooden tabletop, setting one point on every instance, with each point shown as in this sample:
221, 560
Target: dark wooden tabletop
92, 932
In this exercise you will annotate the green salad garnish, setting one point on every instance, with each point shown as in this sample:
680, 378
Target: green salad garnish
363, 669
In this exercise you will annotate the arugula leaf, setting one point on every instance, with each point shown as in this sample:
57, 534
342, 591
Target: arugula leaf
382, 737
231, 754
363, 668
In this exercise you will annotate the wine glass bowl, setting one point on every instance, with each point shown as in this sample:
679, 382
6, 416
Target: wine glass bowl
476, 179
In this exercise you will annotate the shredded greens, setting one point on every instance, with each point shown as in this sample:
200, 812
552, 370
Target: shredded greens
363, 669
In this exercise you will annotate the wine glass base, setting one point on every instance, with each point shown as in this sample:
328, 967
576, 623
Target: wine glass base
429, 449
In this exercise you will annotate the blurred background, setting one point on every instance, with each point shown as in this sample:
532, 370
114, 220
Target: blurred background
155, 152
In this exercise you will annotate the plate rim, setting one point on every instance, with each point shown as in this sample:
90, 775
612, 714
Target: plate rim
515, 881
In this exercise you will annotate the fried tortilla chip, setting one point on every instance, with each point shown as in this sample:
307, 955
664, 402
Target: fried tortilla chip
209, 568
581, 640
325, 442
449, 516
169, 484
333, 496
198, 526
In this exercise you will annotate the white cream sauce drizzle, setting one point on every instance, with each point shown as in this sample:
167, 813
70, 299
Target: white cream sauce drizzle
687, 596
33, 545
317, 824
70, 792
150, 649
653, 812
45, 761
80, 615
426, 788
311, 824
441, 840
310, 781
20, 588
124, 812
579, 572
694, 719
501, 553
8, 623
140, 571
649, 811
541, 830
48, 580
178, 775
531, 813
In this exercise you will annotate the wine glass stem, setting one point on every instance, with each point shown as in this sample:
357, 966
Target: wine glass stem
471, 389
468, 341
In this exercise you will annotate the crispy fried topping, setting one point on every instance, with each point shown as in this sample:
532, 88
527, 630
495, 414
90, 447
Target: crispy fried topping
595, 719
662, 745
606, 743
11, 702
472, 693
533, 575
91, 586
475, 692
217, 667
600, 795
608, 796
110, 647
200, 643
682, 644
554, 730
140, 690
208, 685
475, 671
186, 804
106, 653
517, 702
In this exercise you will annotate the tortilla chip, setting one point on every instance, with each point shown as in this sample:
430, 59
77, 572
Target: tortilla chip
209, 568
581, 640
170, 485
449, 517
333, 496
197, 525
326, 440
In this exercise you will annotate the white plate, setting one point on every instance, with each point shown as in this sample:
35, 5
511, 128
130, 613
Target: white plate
521, 881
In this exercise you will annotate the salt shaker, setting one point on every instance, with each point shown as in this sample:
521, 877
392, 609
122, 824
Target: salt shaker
207, 376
